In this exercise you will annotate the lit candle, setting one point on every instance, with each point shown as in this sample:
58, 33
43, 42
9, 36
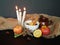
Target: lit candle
20, 15
17, 12
24, 13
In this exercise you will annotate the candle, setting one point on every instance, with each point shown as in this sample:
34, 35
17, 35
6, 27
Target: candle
20, 15
24, 13
17, 12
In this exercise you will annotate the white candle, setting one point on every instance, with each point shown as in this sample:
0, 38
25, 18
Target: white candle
20, 15
24, 13
17, 12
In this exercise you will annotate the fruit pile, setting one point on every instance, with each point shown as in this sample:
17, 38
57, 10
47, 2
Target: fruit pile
43, 27
42, 30
45, 20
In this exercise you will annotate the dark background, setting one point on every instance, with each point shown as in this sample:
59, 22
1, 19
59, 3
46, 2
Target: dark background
51, 7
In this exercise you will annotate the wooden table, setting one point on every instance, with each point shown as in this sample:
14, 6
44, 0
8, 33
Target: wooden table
7, 38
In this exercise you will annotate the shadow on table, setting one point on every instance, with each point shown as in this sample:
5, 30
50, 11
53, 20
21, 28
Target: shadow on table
7, 38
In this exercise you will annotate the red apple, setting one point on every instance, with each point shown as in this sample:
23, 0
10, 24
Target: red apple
17, 29
45, 30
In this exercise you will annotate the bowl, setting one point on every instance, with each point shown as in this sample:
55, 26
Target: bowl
31, 27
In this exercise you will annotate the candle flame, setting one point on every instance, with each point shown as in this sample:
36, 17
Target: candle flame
24, 8
16, 7
19, 9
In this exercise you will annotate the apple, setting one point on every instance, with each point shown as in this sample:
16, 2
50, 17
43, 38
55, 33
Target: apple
17, 29
45, 30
